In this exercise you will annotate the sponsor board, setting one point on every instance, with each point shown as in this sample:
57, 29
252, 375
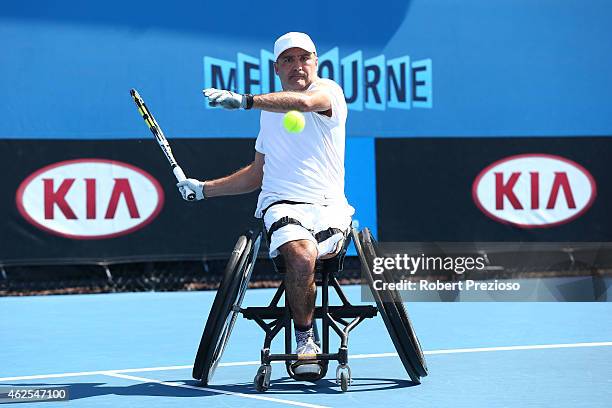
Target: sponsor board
139, 217
90, 198
501, 190
534, 190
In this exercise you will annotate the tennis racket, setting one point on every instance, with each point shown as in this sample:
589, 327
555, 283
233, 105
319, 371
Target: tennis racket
161, 140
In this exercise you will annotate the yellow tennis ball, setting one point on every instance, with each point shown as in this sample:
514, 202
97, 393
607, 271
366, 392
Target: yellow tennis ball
294, 122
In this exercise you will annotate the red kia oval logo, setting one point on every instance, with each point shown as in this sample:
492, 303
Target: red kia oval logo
534, 190
90, 198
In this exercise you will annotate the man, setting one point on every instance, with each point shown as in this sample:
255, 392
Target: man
301, 176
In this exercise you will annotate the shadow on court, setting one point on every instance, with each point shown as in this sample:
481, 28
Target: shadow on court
97, 389
288, 386
283, 386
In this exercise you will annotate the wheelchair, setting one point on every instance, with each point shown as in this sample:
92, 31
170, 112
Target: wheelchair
274, 317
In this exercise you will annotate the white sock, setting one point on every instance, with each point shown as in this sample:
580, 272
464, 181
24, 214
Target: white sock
302, 336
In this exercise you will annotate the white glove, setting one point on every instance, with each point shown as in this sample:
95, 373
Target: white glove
225, 99
196, 186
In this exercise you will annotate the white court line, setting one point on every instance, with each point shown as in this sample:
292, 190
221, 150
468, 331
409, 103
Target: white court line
236, 394
509, 348
351, 357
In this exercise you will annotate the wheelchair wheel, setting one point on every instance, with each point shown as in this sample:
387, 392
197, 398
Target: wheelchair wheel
392, 310
226, 307
402, 312
262, 378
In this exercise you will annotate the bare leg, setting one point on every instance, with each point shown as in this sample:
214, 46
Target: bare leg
301, 291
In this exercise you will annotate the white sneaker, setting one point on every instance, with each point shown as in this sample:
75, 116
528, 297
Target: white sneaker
307, 349
306, 363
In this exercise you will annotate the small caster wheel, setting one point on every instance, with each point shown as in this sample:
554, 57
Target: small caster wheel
262, 378
343, 377
344, 382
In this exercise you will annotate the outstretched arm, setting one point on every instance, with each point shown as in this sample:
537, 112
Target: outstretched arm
284, 101
310, 101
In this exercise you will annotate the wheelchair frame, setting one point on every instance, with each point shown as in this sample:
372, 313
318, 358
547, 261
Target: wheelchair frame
226, 307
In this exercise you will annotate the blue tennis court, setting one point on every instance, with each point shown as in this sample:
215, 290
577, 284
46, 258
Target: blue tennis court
136, 349
456, 141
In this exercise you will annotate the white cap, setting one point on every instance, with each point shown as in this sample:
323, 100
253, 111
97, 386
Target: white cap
293, 39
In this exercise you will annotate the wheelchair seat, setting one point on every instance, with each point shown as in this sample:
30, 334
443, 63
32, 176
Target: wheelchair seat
332, 264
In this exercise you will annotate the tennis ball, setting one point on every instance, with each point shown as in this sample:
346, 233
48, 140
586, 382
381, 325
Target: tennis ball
294, 122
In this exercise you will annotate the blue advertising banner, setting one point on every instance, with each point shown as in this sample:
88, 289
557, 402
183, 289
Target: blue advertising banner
408, 68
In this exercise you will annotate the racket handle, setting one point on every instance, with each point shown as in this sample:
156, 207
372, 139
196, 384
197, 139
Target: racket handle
180, 176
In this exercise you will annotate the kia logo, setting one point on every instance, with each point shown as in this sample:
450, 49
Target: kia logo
90, 198
534, 190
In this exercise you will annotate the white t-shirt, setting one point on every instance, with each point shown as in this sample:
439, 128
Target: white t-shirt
307, 166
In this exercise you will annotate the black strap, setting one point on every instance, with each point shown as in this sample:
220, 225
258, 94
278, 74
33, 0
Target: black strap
326, 234
263, 212
281, 223
249, 101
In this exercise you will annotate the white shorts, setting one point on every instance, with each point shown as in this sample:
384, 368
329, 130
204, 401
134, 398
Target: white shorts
314, 219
